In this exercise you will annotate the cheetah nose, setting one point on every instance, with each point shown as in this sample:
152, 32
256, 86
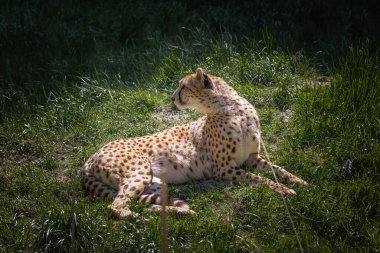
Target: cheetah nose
173, 98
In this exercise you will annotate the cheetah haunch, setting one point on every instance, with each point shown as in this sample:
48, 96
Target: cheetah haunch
220, 144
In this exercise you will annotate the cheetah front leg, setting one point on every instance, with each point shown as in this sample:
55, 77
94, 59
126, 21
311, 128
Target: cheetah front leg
277, 187
255, 160
236, 174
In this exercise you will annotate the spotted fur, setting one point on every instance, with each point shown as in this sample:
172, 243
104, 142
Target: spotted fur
220, 144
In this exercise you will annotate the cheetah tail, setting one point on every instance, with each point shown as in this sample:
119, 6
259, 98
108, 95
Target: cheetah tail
155, 198
97, 188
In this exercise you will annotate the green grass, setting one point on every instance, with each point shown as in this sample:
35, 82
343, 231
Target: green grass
58, 108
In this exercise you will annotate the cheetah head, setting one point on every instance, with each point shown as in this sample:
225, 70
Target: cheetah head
195, 91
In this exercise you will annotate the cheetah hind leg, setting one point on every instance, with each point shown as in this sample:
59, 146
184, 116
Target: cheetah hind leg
152, 196
128, 189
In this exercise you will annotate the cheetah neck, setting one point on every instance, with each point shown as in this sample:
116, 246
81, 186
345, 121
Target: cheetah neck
224, 105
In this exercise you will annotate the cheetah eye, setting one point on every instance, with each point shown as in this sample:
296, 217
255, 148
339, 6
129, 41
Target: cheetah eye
183, 87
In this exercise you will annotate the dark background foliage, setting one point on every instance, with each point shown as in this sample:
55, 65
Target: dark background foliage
40, 40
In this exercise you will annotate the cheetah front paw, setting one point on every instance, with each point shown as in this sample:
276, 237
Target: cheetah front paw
282, 189
298, 180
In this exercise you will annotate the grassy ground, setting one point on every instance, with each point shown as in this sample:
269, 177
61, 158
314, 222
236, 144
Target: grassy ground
100, 79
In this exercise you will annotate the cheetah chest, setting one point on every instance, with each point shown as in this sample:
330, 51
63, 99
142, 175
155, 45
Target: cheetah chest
238, 140
244, 148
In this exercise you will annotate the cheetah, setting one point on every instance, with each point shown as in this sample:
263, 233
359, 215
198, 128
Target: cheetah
221, 144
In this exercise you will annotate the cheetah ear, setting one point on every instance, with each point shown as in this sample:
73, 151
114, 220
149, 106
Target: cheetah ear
200, 74
204, 79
